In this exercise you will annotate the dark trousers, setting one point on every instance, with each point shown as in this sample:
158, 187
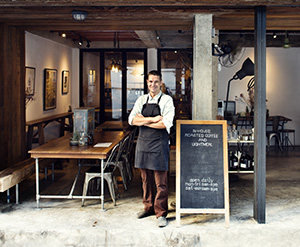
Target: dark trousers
155, 191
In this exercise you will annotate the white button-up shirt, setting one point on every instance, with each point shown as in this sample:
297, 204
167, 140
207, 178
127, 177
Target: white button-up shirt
166, 105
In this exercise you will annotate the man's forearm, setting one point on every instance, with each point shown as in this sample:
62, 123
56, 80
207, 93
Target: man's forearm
158, 125
140, 120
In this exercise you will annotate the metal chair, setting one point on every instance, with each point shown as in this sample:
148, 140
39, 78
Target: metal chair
127, 153
119, 163
108, 175
274, 133
286, 142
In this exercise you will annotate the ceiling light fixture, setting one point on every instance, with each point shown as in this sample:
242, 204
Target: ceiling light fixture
286, 42
88, 45
63, 35
79, 15
80, 41
246, 70
274, 35
115, 64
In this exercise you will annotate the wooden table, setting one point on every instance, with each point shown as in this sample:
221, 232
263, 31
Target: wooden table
114, 125
60, 148
42, 123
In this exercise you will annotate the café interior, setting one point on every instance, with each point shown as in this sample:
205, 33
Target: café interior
97, 66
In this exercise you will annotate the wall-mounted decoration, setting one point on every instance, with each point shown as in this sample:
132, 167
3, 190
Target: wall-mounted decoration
50, 84
92, 77
29, 81
65, 82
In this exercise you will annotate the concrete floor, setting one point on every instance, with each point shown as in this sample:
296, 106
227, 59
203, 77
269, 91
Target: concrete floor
66, 223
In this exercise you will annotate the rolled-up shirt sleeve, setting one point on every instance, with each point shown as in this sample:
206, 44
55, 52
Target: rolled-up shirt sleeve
168, 112
137, 108
166, 106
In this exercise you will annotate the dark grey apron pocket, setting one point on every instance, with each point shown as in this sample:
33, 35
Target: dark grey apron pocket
151, 145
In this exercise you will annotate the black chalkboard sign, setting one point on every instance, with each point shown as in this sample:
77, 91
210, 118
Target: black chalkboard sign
201, 167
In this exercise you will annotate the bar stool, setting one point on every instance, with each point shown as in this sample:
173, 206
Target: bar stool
286, 142
274, 133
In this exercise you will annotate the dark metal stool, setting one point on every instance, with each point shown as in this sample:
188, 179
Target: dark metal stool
286, 142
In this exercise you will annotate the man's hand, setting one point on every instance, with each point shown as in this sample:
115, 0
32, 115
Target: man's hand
157, 119
140, 120
139, 115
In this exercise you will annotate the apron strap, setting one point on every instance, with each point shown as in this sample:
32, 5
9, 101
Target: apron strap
157, 100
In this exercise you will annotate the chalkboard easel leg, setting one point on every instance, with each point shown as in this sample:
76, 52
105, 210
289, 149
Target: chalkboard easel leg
227, 220
177, 218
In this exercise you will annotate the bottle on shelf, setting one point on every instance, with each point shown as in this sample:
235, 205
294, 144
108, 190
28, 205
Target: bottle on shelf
235, 161
229, 133
230, 160
243, 162
234, 132
250, 162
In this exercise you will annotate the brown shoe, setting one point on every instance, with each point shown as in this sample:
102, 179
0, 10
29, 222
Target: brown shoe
144, 214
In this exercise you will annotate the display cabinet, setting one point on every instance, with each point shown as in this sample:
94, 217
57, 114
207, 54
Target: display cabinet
84, 120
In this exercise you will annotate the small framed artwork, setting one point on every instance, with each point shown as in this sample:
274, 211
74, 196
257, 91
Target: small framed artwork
92, 77
65, 82
50, 85
29, 81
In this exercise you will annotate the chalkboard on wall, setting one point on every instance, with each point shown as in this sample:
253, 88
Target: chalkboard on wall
201, 168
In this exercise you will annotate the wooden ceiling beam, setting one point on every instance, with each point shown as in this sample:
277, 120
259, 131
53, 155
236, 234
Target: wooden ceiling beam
145, 17
137, 24
137, 3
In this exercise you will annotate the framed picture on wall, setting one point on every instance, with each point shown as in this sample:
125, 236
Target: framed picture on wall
65, 82
29, 81
50, 85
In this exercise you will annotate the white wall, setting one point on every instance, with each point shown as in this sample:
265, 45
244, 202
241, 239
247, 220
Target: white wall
282, 84
42, 53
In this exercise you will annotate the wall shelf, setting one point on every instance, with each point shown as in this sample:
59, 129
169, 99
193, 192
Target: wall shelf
239, 141
241, 172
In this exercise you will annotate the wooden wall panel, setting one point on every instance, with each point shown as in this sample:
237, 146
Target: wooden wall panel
12, 96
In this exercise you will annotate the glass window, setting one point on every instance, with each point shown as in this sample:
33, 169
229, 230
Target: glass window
176, 66
91, 79
135, 77
113, 86
112, 80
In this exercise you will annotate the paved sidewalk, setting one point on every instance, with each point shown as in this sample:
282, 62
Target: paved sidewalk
66, 223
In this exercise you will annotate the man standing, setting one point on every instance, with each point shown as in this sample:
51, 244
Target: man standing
153, 113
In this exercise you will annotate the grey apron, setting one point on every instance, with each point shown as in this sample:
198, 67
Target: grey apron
152, 150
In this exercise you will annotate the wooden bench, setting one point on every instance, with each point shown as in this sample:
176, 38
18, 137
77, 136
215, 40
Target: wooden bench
41, 123
17, 173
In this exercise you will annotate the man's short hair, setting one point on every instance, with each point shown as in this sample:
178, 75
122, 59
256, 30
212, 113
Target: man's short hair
156, 73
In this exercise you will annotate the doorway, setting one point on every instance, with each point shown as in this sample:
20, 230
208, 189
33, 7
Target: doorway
111, 80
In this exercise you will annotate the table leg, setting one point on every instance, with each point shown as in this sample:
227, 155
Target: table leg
62, 127
17, 193
37, 182
75, 181
41, 134
102, 184
29, 139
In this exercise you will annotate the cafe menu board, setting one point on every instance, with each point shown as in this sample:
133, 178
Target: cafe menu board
201, 168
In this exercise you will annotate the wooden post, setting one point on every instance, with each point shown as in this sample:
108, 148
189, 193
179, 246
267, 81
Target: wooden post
260, 116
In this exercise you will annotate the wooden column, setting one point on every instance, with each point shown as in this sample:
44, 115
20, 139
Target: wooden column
260, 116
12, 96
